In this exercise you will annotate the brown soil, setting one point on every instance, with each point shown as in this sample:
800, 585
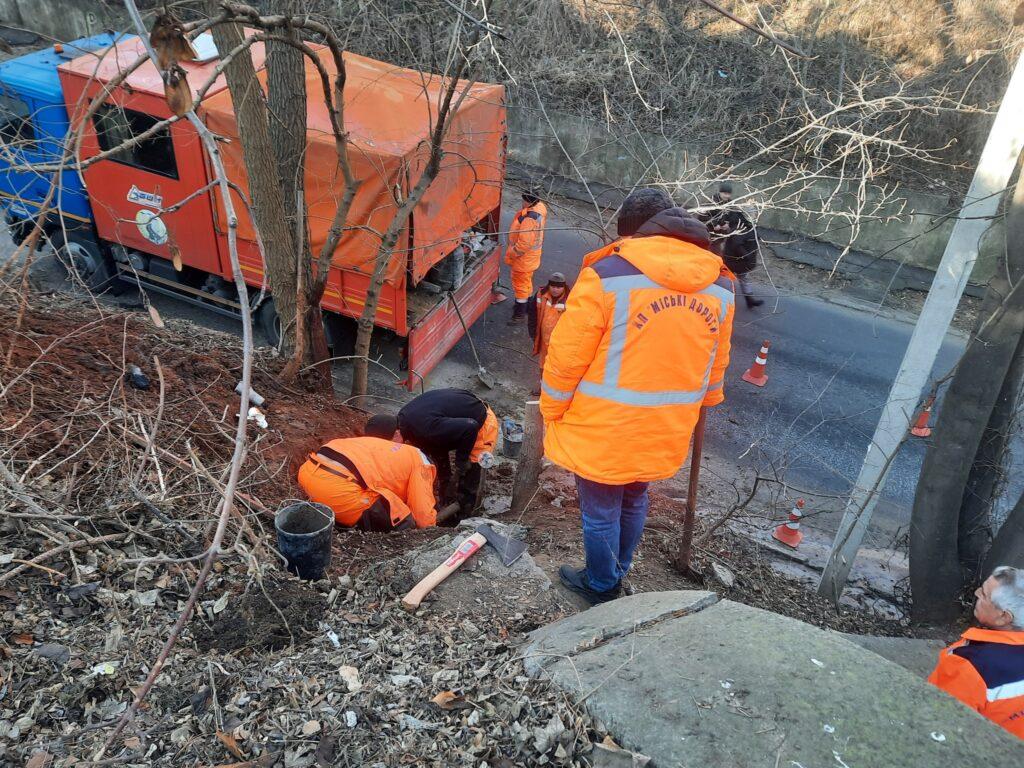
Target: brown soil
70, 403
267, 619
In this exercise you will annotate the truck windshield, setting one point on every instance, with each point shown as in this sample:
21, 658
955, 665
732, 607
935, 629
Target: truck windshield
115, 126
15, 122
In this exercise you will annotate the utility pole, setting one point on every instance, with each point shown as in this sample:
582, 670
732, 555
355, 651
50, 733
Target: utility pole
998, 159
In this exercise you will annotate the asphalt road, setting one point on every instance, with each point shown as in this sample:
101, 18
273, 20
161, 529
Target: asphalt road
830, 369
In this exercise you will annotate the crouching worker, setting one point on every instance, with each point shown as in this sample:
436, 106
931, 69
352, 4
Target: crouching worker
372, 484
440, 422
985, 667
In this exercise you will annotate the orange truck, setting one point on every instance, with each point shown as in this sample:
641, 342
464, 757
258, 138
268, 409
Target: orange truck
447, 252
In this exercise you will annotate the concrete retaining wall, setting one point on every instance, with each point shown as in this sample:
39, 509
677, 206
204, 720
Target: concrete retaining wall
912, 228
60, 19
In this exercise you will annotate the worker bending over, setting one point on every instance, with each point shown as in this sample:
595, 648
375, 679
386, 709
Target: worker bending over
544, 311
372, 484
525, 241
642, 347
985, 667
440, 422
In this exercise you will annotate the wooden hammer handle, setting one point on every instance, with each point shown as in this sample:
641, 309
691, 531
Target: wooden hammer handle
462, 553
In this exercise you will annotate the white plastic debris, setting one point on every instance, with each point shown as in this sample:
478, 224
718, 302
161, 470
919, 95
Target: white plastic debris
350, 719
106, 668
939, 737
256, 415
817, 663
726, 684
828, 728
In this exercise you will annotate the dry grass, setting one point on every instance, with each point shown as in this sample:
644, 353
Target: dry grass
701, 79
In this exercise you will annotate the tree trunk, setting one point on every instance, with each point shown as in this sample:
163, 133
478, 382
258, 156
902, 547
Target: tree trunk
935, 572
286, 104
269, 209
987, 481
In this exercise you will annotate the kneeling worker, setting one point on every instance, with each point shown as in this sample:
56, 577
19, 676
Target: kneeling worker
372, 484
441, 421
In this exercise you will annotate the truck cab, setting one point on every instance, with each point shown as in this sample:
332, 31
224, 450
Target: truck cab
34, 126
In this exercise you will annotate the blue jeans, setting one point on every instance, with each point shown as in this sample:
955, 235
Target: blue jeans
613, 521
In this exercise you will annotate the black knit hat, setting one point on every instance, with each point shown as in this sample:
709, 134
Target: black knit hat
640, 206
725, 188
383, 425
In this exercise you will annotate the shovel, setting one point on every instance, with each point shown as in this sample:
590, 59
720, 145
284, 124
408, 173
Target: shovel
481, 373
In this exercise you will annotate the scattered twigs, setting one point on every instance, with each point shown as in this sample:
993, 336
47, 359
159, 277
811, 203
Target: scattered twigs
52, 553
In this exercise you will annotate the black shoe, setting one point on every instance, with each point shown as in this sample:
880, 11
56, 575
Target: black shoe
575, 579
752, 302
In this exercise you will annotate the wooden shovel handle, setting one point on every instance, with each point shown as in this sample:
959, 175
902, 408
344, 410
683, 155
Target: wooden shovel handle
462, 553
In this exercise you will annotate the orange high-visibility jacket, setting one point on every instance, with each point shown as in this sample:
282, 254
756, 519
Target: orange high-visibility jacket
546, 314
400, 473
526, 238
642, 345
985, 670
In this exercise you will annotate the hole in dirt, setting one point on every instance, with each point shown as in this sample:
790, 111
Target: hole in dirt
252, 621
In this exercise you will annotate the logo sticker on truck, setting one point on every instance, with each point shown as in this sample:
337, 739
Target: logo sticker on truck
151, 226
136, 195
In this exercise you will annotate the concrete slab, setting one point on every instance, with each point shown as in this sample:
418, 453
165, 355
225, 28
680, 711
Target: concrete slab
625, 616
915, 655
731, 685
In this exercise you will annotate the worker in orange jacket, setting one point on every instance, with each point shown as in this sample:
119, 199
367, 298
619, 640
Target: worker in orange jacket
642, 346
525, 241
543, 312
372, 484
985, 667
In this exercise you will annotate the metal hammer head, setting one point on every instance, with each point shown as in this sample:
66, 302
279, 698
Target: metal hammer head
509, 550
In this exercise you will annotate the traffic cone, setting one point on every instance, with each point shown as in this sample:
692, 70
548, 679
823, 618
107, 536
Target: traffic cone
921, 428
790, 533
755, 374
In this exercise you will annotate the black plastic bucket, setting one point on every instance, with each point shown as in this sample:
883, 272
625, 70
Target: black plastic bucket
511, 438
304, 538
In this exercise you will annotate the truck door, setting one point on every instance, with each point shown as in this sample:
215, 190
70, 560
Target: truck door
21, 191
139, 194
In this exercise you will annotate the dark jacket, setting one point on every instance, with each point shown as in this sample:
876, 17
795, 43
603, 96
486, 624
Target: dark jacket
736, 242
443, 420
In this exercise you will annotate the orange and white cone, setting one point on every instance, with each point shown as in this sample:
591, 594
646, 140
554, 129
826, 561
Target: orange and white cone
756, 374
921, 428
790, 533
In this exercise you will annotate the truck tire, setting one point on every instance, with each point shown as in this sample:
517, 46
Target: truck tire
339, 333
83, 259
269, 323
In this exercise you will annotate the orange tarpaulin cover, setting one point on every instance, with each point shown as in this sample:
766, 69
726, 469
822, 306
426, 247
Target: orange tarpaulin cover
389, 115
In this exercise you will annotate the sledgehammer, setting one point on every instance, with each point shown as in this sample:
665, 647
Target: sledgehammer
508, 549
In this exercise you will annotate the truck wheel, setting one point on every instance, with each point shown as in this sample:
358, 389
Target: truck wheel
340, 338
83, 258
268, 321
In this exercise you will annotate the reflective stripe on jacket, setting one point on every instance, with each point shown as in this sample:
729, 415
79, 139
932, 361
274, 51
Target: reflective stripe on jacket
526, 238
642, 345
985, 670
400, 473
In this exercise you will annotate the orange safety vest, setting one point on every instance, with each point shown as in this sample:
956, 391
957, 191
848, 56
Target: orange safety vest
400, 473
549, 311
985, 670
643, 344
526, 238
486, 438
